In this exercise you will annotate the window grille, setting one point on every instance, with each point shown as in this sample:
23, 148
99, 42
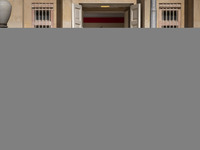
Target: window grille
42, 15
169, 15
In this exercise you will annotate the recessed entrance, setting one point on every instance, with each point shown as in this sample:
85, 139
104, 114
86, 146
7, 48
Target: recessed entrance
106, 15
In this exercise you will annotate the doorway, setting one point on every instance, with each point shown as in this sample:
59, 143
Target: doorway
106, 15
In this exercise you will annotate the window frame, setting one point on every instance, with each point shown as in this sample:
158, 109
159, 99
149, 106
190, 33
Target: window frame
169, 7
42, 7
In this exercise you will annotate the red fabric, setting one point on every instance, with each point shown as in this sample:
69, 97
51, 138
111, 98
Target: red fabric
104, 20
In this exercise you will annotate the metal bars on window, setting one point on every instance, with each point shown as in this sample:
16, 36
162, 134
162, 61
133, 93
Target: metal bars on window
169, 15
42, 15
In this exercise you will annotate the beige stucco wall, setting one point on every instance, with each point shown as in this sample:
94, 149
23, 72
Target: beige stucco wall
67, 14
16, 18
146, 15
197, 13
28, 11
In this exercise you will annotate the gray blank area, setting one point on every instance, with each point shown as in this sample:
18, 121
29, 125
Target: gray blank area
99, 89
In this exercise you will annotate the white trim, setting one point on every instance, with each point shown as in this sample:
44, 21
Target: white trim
139, 15
73, 19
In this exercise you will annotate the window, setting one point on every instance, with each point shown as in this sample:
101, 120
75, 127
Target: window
42, 15
169, 15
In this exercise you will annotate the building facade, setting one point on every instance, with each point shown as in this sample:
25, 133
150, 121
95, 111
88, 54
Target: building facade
103, 14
